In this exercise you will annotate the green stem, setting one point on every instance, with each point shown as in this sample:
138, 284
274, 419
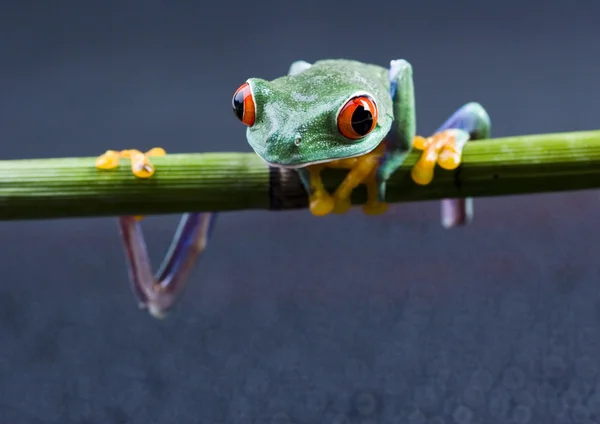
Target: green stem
73, 187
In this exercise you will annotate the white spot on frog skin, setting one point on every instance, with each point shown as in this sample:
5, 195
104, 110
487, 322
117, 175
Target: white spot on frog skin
304, 98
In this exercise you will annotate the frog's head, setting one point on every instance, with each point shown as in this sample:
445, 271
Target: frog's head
294, 122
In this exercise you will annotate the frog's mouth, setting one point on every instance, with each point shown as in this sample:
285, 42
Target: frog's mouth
302, 152
295, 165
298, 165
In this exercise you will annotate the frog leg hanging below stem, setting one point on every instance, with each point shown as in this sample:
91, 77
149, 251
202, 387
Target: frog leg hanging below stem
158, 293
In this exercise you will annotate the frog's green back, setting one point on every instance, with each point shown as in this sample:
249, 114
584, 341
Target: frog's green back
370, 71
304, 107
347, 72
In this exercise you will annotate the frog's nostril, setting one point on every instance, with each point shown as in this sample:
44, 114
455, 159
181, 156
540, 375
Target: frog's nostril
298, 140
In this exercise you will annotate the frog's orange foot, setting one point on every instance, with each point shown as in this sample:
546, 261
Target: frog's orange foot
444, 148
141, 166
321, 204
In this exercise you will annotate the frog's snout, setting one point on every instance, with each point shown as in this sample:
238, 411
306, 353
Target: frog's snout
289, 144
292, 144
285, 151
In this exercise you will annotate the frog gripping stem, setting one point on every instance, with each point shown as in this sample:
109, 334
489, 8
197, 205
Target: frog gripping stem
443, 148
470, 122
141, 166
361, 170
159, 292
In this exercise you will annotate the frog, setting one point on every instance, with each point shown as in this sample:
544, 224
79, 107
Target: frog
333, 113
340, 113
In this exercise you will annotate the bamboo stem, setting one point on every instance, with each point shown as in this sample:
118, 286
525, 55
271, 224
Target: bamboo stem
73, 187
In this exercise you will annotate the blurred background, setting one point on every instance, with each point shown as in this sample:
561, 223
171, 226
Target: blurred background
291, 319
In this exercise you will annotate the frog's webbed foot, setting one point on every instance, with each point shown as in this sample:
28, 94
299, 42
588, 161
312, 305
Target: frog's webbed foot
141, 166
158, 293
443, 148
362, 170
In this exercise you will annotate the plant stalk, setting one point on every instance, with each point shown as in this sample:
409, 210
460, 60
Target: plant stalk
73, 187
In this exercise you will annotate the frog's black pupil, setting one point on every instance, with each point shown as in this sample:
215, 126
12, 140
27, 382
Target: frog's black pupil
362, 120
238, 104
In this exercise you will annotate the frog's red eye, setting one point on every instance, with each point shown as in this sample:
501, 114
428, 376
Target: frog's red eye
358, 117
243, 105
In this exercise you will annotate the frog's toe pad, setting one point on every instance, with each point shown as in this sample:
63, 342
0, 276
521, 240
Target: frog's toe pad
321, 205
422, 173
376, 208
109, 160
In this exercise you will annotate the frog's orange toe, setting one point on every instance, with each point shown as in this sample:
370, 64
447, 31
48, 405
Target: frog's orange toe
422, 173
141, 166
109, 160
420, 142
321, 205
449, 159
156, 151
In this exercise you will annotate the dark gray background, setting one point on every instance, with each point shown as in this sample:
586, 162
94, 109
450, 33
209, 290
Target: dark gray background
293, 319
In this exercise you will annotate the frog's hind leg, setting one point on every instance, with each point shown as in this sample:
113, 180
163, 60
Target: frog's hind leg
320, 201
158, 293
473, 119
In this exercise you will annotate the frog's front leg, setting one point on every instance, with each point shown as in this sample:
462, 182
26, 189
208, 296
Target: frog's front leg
158, 293
362, 170
399, 141
470, 122
320, 201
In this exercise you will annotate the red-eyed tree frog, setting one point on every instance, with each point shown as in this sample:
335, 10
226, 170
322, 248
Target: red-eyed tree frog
332, 113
